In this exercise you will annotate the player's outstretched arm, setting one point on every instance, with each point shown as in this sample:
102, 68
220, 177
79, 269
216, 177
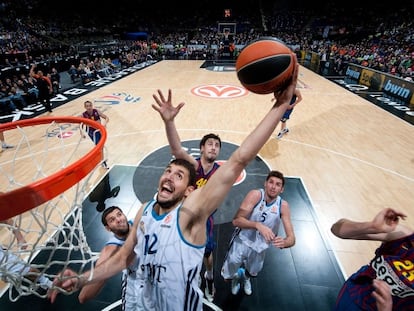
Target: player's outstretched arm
214, 192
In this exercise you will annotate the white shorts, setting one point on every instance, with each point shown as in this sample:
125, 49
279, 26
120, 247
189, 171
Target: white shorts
240, 254
131, 292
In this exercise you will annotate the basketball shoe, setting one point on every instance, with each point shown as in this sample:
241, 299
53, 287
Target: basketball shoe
6, 146
282, 132
209, 289
235, 282
235, 285
247, 286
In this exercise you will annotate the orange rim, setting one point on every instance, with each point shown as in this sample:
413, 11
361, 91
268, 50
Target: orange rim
20, 200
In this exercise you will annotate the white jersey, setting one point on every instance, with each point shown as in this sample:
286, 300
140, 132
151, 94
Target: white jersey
248, 247
269, 215
169, 266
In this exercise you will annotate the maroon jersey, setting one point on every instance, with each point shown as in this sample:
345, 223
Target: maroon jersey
94, 116
201, 176
94, 134
393, 263
201, 180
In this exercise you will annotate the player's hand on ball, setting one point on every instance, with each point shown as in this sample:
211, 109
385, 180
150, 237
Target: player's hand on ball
284, 96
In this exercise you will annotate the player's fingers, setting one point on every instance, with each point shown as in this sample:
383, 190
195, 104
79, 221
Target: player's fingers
157, 100
161, 96
52, 295
180, 105
156, 107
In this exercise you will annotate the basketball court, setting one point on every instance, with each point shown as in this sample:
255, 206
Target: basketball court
343, 157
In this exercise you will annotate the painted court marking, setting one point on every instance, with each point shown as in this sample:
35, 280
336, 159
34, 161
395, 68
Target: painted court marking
284, 139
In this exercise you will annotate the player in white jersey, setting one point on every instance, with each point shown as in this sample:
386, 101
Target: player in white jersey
115, 221
13, 266
170, 238
170, 264
16, 267
257, 225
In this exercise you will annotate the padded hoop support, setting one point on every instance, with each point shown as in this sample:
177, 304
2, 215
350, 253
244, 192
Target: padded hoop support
20, 200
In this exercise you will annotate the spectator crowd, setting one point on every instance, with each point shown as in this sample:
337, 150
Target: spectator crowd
88, 46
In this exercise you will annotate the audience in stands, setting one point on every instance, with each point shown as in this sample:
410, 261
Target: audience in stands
85, 48
55, 79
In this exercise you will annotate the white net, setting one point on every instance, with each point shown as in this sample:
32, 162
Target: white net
37, 243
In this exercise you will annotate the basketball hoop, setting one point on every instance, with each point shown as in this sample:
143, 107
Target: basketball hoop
22, 199
45, 179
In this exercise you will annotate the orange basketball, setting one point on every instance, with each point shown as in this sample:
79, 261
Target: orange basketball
265, 65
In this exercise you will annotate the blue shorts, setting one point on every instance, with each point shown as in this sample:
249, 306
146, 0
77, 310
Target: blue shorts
211, 244
286, 116
95, 135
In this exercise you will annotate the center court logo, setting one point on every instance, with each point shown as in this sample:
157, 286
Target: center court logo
220, 91
148, 172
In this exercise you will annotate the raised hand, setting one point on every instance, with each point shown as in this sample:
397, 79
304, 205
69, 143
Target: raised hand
165, 107
386, 220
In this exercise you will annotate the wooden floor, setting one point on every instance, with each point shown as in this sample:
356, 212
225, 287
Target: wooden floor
353, 157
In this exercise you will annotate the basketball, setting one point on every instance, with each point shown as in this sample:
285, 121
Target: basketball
265, 65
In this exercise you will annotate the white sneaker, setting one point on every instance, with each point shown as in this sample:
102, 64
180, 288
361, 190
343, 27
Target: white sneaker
282, 132
6, 146
247, 286
235, 285
235, 282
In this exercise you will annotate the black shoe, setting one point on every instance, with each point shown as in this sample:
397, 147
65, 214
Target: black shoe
115, 191
210, 289
100, 207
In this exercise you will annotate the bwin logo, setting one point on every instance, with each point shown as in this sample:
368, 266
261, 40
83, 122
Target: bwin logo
353, 74
396, 90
